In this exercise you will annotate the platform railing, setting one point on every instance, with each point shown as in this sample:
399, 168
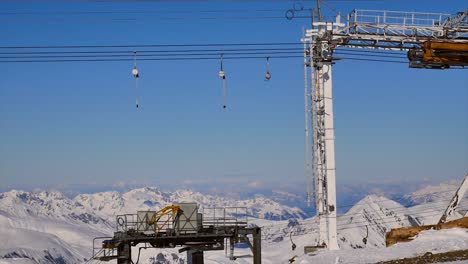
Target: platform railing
141, 222
101, 251
383, 17
396, 23
224, 216
126, 222
216, 217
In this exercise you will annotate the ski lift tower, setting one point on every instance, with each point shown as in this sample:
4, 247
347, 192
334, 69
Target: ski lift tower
320, 98
431, 40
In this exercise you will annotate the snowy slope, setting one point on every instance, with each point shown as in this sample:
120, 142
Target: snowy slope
47, 204
432, 200
375, 212
46, 225
371, 218
427, 241
434, 193
276, 251
25, 245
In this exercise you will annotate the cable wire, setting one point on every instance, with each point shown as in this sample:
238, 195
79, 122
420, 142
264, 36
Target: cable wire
187, 59
152, 51
182, 54
148, 55
151, 45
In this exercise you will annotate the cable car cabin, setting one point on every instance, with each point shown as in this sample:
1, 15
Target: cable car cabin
439, 55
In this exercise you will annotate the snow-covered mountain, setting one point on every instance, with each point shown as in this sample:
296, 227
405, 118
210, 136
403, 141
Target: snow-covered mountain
48, 227
370, 219
34, 247
108, 204
434, 193
47, 204
431, 201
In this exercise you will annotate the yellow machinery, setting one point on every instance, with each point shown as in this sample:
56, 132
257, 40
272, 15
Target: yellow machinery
450, 53
169, 213
439, 54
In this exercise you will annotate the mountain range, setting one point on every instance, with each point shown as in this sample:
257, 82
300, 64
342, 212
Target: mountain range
48, 227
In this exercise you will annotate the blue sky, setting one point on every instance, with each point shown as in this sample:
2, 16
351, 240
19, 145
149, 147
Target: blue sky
75, 123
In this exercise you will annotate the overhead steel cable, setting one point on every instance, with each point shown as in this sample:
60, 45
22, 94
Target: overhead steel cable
150, 59
402, 198
398, 208
439, 205
100, 19
198, 51
427, 213
77, 53
187, 59
385, 222
110, 55
415, 212
435, 205
151, 51
299, 44
424, 212
66, 12
282, 47
149, 55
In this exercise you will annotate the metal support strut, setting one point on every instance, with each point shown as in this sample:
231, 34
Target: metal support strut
323, 133
124, 252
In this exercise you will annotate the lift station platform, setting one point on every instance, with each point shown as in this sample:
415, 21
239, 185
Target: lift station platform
182, 225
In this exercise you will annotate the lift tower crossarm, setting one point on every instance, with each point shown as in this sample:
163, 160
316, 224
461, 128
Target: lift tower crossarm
393, 30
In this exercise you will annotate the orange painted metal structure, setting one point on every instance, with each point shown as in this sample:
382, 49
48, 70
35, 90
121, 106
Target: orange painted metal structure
446, 53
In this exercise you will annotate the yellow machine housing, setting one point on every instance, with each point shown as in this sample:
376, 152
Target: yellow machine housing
445, 53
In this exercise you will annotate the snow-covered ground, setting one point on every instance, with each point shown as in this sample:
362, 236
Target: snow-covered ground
427, 241
48, 227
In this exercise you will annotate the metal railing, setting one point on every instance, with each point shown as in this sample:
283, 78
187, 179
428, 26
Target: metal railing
410, 19
224, 216
140, 222
100, 252
396, 23
211, 217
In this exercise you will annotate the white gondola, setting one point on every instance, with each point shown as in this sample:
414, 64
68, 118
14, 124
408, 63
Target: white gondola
267, 74
136, 75
222, 75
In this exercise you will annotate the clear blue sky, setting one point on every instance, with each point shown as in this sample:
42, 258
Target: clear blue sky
75, 123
